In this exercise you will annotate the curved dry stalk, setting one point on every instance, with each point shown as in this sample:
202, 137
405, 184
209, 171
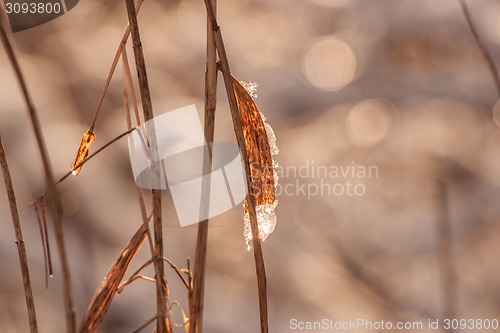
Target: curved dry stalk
136, 274
49, 177
23, 259
185, 319
238, 128
196, 297
135, 277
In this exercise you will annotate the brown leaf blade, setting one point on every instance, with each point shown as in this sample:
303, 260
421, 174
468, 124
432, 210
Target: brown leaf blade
103, 296
257, 146
83, 151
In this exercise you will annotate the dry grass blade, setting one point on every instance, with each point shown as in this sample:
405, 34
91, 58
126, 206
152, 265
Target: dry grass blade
83, 151
128, 86
112, 69
257, 146
128, 89
161, 326
41, 217
103, 296
23, 259
49, 177
238, 128
46, 234
196, 297
97, 152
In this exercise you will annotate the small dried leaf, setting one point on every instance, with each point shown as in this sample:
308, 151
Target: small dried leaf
104, 295
257, 145
83, 151
260, 143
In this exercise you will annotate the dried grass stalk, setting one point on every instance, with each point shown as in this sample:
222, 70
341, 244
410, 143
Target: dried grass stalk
55, 204
196, 297
238, 128
147, 106
23, 259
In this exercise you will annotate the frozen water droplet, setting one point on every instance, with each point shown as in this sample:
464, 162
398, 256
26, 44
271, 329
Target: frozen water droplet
266, 219
271, 137
262, 116
250, 87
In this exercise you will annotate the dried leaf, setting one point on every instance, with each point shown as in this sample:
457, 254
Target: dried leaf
83, 151
257, 145
103, 296
260, 143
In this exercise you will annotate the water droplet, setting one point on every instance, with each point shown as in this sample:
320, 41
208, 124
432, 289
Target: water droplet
251, 88
266, 219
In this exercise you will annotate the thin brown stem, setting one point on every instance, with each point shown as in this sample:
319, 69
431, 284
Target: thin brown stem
135, 277
49, 177
446, 253
109, 143
129, 85
149, 262
23, 259
129, 88
44, 235
112, 69
235, 113
143, 326
147, 106
198, 287
484, 50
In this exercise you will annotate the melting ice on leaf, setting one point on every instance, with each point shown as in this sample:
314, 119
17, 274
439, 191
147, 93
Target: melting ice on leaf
260, 143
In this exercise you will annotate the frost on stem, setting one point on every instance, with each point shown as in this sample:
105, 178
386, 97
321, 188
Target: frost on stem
260, 142
266, 218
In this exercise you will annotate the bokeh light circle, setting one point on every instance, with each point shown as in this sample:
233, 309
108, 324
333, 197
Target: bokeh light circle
370, 121
329, 64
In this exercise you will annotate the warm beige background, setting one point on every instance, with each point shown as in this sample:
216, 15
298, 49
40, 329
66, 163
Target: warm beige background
319, 65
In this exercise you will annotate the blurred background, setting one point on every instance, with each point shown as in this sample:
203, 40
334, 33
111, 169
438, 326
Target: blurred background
390, 96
